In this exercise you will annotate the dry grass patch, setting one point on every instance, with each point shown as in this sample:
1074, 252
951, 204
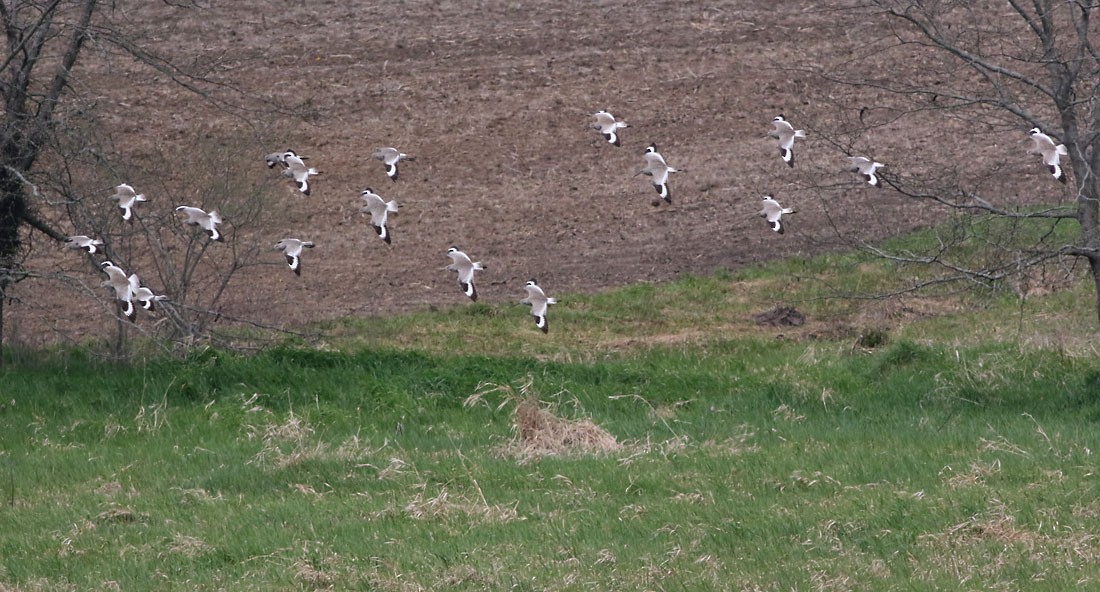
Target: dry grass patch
976, 474
120, 516
312, 577
968, 546
537, 428
188, 546
443, 506
289, 443
40, 584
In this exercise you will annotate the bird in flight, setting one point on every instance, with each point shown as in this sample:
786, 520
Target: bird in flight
117, 280
866, 167
379, 211
539, 303
773, 212
656, 168
1050, 152
786, 134
208, 221
608, 126
127, 199
390, 157
292, 248
461, 263
81, 241
296, 169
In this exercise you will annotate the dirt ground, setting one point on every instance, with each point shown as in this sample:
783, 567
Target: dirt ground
494, 99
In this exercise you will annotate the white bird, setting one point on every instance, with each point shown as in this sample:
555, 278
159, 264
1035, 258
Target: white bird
296, 168
127, 198
465, 268
117, 280
379, 210
292, 248
866, 167
207, 221
539, 302
786, 134
81, 241
1050, 151
143, 294
607, 125
390, 157
773, 212
276, 158
655, 167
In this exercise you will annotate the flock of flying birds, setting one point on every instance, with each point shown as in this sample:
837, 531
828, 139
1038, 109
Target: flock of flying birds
128, 288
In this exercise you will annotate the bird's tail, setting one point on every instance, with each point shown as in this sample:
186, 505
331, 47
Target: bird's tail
800, 133
391, 206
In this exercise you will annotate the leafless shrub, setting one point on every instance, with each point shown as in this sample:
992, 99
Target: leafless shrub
953, 132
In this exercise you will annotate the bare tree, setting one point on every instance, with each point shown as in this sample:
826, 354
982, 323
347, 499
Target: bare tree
55, 157
975, 77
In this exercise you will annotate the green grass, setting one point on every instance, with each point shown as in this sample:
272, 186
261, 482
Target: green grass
956, 455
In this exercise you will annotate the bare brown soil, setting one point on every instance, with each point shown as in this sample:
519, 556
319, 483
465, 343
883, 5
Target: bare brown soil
494, 99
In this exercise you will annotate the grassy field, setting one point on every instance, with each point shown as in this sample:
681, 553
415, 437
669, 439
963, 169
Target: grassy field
656, 439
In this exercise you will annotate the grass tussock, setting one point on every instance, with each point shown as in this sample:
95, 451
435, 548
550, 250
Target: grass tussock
539, 430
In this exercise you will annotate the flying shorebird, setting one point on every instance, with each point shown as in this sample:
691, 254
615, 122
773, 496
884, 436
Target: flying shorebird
773, 212
292, 248
81, 241
276, 158
866, 167
607, 125
390, 157
539, 302
207, 221
786, 134
143, 294
465, 268
655, 167
296, 168
1050, 152
379, 210
127, 199
279, 158
117, 280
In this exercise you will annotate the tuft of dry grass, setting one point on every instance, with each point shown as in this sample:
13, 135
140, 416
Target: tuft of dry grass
537, 428
443, 506
120, 516
188, 546
310, 576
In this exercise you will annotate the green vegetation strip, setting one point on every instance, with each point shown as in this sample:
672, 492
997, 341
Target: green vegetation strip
748, 463
658, 438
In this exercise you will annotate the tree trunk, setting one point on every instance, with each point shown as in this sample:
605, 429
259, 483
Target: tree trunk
1094, 267
3, 290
